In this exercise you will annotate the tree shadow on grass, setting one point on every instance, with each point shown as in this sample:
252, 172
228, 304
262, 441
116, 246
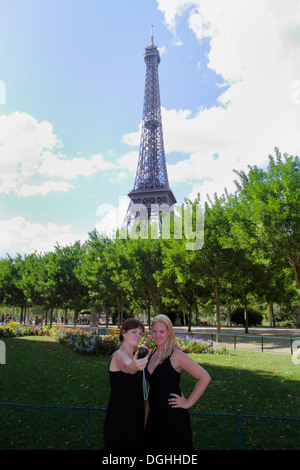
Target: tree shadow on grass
39, 371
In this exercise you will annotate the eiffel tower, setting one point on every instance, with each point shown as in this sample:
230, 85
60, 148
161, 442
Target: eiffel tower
151, 187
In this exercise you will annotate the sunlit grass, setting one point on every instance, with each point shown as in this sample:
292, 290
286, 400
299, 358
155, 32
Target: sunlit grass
40, 370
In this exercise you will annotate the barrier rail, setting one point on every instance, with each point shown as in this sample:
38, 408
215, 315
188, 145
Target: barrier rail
263, 343
45, 426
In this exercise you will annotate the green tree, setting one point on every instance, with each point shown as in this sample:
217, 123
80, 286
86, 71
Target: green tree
214, 260
103, 270
269, 212
72, 290
183, 280
146, 272
13, 278
48, 292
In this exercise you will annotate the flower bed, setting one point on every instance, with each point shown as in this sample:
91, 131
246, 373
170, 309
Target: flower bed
14, 329
85, 342
195, 345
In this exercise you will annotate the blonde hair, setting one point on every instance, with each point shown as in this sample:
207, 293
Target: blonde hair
171, 343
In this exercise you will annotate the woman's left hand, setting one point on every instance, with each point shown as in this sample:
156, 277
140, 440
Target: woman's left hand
178, 401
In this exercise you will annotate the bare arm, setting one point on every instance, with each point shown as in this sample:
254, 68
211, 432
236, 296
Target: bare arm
181, 361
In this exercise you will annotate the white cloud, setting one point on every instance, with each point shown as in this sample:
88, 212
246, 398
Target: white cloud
172, 9
59, 166
30, 237
255, 47
120, 176
109, 218
133, 138
129, 161
29, 148
22, 141
43, 189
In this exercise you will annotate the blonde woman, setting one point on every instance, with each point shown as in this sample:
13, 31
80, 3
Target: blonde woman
168, 426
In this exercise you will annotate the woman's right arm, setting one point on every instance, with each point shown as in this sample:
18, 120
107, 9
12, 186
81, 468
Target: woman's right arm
130, 366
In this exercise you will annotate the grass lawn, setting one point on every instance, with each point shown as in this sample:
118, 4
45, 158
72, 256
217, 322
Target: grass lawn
39, 370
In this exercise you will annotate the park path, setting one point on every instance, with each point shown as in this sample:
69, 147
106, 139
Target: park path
275, 340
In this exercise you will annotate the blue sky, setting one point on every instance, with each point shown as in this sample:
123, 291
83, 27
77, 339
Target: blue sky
71, 97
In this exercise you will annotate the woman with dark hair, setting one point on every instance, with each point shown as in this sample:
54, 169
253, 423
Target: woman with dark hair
124, 420
168, 427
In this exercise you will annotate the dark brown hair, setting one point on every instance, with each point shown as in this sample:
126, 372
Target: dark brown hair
130, 324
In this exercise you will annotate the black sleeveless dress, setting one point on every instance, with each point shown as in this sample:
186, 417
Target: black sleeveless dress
168, 429
124, 421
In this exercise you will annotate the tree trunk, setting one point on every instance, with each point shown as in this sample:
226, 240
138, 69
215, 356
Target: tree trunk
119, 312
271, 314
296, 268
218, 311
228, 313
183, 314
76, 312
196, 313
106, 317
149, 314
155, 298
122, 310
190, 317
27, 315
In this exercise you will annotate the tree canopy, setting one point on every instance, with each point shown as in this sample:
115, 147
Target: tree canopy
250, 248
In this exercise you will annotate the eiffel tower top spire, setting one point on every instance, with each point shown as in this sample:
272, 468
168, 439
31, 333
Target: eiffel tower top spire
152, 43
151, 184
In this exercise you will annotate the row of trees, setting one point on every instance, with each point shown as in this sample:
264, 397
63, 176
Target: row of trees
251, 248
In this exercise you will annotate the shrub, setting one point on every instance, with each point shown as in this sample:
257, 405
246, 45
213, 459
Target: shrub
190, 344
255, 317
86, 342
13, 329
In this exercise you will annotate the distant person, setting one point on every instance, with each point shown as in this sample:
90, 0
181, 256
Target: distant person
124, 420
168, 426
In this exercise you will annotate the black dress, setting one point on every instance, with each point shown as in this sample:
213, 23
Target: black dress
124, 420
168, 429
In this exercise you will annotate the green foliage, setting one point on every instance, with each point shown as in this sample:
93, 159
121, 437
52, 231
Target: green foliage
255, 317
85, 342
14, 329
91, 342
40, 370
194, 345
250, 250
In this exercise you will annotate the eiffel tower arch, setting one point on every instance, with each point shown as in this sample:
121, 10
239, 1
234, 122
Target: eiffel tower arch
151, 187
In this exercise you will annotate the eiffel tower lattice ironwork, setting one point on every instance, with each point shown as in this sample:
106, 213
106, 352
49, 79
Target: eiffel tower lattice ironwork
151, 186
